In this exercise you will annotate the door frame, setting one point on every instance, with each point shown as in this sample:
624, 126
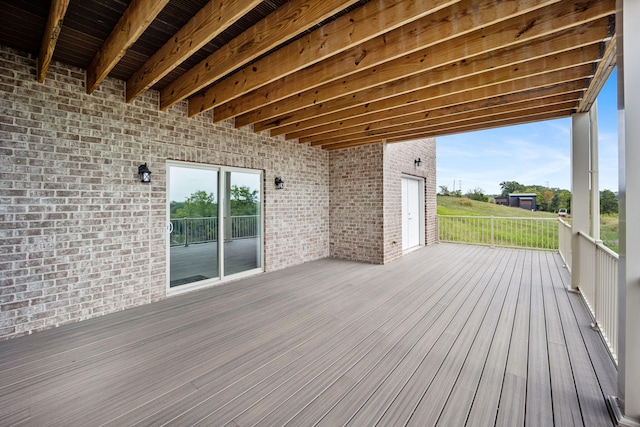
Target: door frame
222, 278
421, 213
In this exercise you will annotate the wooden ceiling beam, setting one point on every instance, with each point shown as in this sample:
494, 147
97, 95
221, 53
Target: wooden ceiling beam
566, 80
548, 115
215, 17
284, 23
132, 24
527, 95
550, 31
358, 26
604, 70
509, 57
51, 32
476, 116
302, 88
506, 121
445, 115
489, 84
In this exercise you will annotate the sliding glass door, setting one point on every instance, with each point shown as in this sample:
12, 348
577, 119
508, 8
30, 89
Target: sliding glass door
215, 224
242, 222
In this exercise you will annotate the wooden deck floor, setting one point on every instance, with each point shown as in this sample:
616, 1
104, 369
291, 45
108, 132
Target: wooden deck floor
449, 335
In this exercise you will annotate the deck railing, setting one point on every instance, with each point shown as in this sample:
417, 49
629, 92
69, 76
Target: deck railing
564, 242
529, 233
598, 286
186, 231
598, 264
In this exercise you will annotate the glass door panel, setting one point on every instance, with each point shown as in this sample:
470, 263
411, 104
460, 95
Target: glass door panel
193, 212
242, 222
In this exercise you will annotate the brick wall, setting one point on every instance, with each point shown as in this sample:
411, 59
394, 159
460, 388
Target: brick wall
79, 234
366, 198
398, 160
356, 209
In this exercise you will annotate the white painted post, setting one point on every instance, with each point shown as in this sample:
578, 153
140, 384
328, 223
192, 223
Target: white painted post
580, 134
595, 180
493, 242
628, 62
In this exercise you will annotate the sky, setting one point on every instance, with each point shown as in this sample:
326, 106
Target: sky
531, 154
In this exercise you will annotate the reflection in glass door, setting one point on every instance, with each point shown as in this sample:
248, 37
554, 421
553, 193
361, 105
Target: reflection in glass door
242, 222
193, 212
215, 223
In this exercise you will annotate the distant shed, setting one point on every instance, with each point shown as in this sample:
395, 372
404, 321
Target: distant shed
524, 201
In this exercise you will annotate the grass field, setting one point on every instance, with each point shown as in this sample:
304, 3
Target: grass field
464, 207
609, 231
453, 206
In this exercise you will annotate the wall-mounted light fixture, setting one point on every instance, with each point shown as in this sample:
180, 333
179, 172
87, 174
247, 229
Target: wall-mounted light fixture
417, 162
279, 183
145, 173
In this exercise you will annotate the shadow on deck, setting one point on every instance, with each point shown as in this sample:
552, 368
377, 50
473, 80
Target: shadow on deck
448, 335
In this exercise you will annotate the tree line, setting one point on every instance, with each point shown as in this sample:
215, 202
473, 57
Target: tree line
549, 199
200, 204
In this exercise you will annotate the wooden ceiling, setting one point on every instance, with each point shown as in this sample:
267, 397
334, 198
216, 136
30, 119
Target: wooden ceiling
334, 73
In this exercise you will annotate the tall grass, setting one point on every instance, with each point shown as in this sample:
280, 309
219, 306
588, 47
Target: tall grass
609, 231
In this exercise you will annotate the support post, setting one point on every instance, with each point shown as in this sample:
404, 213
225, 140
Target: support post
580, 134
627, 402
595, 166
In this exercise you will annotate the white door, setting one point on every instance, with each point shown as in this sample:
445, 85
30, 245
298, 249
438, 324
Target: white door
410, 213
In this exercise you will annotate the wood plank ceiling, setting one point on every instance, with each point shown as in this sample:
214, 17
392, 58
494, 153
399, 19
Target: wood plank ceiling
334, 73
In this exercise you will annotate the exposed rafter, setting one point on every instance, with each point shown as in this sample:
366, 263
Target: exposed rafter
50, 37
336, 73
605, 67
549, 114
286, 22
439, 116
397, 53
364, 23
131, 25
444, 95
453, 58
479, 118
211, 20
468, 67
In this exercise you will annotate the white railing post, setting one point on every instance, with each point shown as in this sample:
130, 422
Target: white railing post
597, 289
493, 244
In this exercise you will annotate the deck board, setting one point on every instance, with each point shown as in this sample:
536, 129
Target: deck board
449, 334
429, 397
462, 387
485, 394
539, 405
514, 387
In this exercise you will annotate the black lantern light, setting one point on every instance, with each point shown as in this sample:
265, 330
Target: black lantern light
145, 173
417, 162
279, 183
